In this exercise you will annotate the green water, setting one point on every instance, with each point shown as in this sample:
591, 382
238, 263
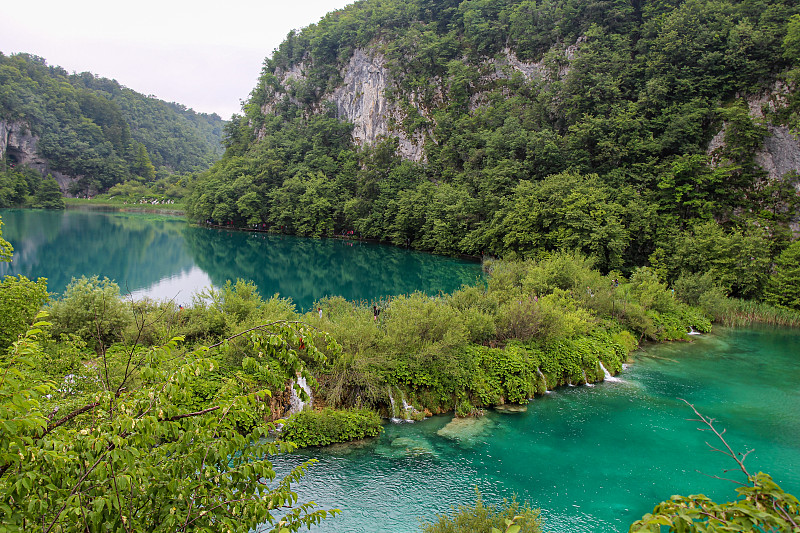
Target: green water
594, 459
164, 257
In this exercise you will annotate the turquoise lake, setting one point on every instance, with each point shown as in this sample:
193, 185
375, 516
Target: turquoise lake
164, 257
593, 458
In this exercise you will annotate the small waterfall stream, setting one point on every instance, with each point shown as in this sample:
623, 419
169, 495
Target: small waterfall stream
296, 402
544, 380
396, 415
607, 375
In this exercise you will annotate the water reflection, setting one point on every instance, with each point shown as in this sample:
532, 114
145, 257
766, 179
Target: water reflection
308, 269
163, 257
134, 250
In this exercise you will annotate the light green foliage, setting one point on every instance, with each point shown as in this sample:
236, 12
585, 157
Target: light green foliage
761, 506
791, 43
499, 343
6, 250
20, 301
509, 517
92, 309
133, 457
783, 288
320, 428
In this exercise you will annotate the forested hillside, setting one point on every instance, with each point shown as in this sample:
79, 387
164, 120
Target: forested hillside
639, 132
91, 133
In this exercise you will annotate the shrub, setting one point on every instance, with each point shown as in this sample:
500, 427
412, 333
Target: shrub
487, 518
320, 428
92, 309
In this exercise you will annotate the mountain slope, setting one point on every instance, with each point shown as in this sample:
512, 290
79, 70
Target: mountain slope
91, 132
616, 128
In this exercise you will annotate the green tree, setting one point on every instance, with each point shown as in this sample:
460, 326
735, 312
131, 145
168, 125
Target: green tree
49, 196
92, 309
142, 166
791, 43
20, 301
783, 288
135, 458
6, 250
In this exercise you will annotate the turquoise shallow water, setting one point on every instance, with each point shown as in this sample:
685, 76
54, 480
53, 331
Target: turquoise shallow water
594, 459
164, 257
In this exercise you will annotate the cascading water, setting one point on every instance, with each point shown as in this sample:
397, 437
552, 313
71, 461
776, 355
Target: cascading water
607, 375
407, 411
394, 418
544, 380
692, 331
296, 402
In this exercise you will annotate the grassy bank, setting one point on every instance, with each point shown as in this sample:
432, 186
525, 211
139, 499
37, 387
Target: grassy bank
100, 202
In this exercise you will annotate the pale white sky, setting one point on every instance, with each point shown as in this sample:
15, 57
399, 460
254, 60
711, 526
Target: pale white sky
204, 55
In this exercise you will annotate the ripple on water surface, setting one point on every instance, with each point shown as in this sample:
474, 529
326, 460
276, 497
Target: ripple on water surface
593, 459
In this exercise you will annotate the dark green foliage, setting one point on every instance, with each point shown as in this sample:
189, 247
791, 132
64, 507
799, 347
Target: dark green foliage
320, 428
21, 186
48, 196
603, 149
783, 288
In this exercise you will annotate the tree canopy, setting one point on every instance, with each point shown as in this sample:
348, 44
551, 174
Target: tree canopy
599, 142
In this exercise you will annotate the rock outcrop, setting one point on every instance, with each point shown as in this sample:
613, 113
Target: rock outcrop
361, 96
780, 151
19, 144
361, 99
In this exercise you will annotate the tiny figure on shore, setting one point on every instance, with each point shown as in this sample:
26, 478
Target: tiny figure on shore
320, 311
375, 312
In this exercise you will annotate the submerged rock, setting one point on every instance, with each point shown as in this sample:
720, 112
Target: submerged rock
465, 430
407, 447
511, 408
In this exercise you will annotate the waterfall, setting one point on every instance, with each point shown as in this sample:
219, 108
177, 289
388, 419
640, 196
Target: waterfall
544, 379
607, 375
408, 410
692, 331
397, 416
393, 415
585, 380
297, 403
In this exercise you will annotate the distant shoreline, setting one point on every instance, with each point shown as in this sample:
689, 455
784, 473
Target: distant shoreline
104, 205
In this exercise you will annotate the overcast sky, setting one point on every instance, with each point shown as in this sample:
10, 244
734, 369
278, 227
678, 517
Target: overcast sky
204, 55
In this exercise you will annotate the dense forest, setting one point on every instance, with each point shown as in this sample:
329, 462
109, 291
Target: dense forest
94, 132
608, 150
635, 140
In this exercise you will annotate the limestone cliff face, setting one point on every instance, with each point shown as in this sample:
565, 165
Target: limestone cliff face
361, 96
361, 99
19, 144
